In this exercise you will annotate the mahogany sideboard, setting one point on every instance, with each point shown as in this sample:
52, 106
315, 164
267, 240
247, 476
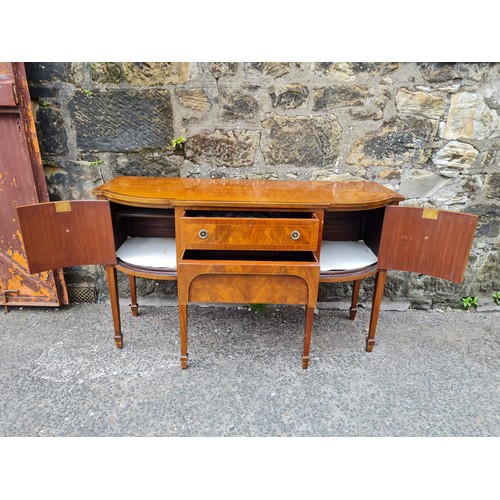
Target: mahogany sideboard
240, 241
252, 241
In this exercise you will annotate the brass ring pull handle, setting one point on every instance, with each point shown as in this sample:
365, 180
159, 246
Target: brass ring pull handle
295, 235
203, 234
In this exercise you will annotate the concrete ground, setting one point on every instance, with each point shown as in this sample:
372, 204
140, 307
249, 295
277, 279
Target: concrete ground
430, 374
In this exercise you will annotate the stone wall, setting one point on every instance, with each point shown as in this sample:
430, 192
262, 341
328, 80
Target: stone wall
428, 130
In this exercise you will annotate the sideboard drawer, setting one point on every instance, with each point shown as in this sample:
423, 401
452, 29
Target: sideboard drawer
288, 232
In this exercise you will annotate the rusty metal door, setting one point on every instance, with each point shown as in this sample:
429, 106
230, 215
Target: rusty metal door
22, 182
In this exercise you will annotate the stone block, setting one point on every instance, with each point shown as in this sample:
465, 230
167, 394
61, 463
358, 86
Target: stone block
488, 307
85, 275
374, 69
488, 223
390, 174
456, 191
395, 143
490, 160
72, 180
470, 118
51, 131
38, 92
268, 69
424, 289
456, 156
302, 140
218, 69
335, 291
234, 148
105, 72
492, 185
208, 171
396, 285
47, 71
238, 106
393, 305
195, 99
443, 72
420, 103
366, 113
488, 275
421, 183
155, 74
121, 120
347, 71
144, 288
341, 72
166, 289
339, 96
145, 163
290, 96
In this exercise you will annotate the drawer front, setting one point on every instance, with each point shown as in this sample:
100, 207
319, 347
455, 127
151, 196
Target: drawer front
228, 233
248, 289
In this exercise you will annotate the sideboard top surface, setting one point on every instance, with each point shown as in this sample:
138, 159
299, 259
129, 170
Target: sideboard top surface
172, 192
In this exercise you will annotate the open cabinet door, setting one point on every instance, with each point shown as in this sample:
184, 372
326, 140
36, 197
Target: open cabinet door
72, 233
421, 240
67, 233
427, 241
22, 182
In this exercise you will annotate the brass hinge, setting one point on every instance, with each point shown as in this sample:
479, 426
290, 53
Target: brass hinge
430, 213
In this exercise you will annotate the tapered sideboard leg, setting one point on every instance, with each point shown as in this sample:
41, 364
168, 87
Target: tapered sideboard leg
307, 336
183, 330
378, 293
354, 302
115, 304
133, 295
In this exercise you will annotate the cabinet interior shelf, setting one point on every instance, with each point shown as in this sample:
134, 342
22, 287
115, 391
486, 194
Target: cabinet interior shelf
150, 213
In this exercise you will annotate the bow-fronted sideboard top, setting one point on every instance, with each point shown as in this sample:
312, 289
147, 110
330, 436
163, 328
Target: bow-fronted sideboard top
237, 193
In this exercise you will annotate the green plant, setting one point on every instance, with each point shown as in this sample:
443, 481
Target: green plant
177, 142
469, 302
496, 298
88, 92
95, 163
44, 104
